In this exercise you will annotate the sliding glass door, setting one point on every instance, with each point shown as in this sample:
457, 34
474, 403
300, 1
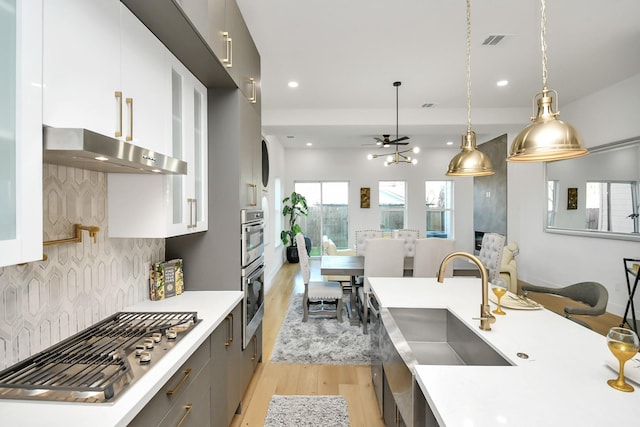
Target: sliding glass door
328, 204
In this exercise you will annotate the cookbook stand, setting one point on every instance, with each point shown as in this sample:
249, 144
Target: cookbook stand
632, 275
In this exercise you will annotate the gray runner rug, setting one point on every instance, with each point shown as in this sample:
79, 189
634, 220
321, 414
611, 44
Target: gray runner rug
307, 411
319, 340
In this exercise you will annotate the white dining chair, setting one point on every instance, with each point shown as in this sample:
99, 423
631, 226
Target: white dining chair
491, 253
361, 239
429, 253
409, 237
317, 293
384, 258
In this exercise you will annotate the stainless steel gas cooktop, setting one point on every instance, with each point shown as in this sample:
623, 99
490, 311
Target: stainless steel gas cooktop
98, 363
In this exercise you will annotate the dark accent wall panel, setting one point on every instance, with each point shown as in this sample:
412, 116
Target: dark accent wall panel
490, 192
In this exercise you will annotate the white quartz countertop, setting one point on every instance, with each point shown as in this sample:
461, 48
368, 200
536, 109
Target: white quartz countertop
562, 383
212, 307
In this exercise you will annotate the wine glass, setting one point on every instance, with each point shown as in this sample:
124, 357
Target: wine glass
499, 288
624, 344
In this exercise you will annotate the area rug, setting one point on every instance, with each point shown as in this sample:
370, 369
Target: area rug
320, 341
307, 411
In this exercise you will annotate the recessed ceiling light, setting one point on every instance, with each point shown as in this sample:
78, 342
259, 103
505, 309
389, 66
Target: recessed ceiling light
309, 144
501, 83
293, 84
449, 142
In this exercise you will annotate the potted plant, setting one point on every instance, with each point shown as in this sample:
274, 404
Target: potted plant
295, 206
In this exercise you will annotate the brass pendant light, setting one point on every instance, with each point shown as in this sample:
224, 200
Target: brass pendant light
547, 138
469, 161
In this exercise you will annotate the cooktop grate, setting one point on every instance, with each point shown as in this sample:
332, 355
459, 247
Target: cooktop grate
94, 364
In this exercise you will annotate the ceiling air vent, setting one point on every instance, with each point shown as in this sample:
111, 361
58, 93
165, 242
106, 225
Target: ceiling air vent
493, 39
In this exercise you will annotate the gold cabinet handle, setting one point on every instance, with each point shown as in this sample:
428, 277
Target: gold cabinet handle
255, 348
228, 61
193, 221
187, 411
229, 320
129, 102
187, 374
195, 212
119, 108
254, 93
254, 198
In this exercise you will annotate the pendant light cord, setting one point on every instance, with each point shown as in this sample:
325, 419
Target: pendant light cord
543, 42
468, 66
397, 117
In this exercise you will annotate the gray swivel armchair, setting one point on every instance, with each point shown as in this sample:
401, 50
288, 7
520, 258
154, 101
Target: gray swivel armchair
593, 294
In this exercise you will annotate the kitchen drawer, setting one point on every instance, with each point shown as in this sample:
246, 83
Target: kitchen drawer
192, 409
174, 389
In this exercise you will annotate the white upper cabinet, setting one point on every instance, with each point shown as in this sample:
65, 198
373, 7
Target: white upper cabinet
145, 82
20, 131
148, 206
105, 71
81, 64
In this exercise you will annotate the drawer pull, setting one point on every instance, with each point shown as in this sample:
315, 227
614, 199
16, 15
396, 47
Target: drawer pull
187, 374
229, 320
187, 411
255, 348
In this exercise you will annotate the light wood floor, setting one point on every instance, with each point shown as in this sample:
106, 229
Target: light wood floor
351, 381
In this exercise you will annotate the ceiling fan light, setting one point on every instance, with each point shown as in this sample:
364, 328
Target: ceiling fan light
416, 150
370, 156
547, 138
389, 158
414, 161
470, 161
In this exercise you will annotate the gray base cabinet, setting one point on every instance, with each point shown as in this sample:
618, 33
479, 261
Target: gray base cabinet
207, 389
226, 351
186, 396
251, 356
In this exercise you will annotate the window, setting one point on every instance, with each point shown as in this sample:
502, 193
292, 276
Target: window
439, 208
328, 204
392, 202
611, 207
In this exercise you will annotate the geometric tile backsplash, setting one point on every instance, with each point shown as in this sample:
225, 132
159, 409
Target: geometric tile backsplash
79, 284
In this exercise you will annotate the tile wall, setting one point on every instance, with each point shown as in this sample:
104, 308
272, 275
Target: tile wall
79, 284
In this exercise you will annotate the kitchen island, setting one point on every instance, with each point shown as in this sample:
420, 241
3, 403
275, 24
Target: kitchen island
212, 308
562, 382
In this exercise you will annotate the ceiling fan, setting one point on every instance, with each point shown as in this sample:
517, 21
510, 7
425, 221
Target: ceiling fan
398, 156
385, 142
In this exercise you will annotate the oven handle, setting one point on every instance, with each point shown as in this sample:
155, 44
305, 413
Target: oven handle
257, 272
254, 227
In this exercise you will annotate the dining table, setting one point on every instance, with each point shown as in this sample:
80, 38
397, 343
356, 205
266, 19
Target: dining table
352, 266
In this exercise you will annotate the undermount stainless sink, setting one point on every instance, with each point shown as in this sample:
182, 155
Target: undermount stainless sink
402, 338
426, 336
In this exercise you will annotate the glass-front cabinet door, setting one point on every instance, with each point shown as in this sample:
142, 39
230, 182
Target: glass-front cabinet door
20, 131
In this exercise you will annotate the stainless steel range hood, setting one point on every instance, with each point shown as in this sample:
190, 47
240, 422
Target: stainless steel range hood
84, 149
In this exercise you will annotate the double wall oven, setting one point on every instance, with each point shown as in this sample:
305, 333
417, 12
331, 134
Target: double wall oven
252, 268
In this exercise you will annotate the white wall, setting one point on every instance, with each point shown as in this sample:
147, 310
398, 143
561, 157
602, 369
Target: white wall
558, 260
545, 259
352, 166
273, 253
